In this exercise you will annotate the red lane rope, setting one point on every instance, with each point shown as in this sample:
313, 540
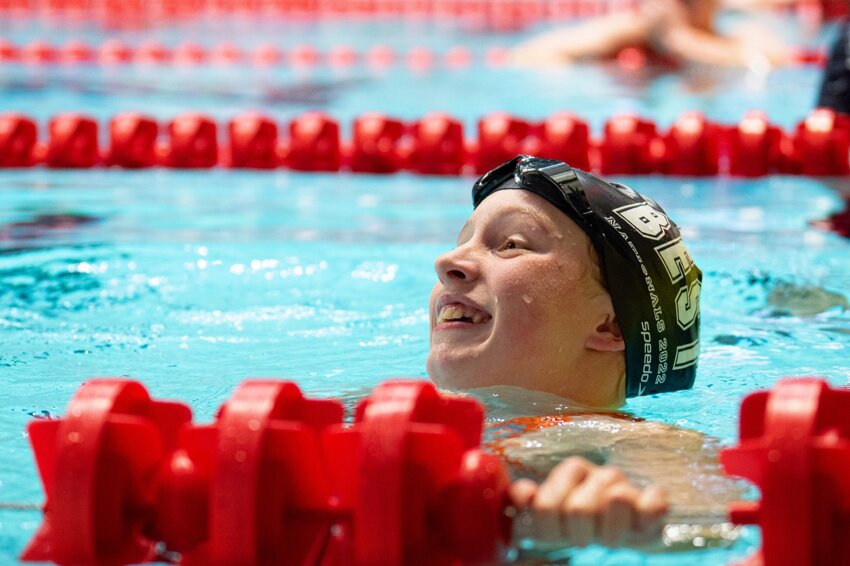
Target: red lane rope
505, 14
500, 13
116, 52
435, 144
278, 478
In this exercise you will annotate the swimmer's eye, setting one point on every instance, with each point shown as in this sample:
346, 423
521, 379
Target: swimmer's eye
512, 244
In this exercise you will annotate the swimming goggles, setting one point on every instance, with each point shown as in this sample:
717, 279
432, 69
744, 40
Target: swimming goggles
553, 180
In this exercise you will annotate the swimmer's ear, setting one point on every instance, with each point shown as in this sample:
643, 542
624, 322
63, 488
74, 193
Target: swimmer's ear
607, 336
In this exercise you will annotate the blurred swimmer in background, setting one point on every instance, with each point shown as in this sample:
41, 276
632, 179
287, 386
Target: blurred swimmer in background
669, 31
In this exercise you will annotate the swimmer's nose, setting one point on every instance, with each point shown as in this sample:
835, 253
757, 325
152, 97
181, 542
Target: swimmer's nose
456, 266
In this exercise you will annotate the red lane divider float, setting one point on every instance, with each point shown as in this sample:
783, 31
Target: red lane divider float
795, 446
116, 52
501, 14
436, 144
277, 479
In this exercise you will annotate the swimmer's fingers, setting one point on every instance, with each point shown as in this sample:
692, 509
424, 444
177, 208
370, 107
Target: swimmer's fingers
585, 508
522, 493
650, 512
617, 522
580, 503
609, 510
552, 497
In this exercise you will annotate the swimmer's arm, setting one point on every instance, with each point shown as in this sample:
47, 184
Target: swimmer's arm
697, 46
580, 503
755, 4
600, 37
684, 462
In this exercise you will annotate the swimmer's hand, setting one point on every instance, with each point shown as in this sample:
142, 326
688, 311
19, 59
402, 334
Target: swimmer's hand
581, 503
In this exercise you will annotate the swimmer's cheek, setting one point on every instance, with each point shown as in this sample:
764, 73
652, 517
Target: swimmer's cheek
580, 503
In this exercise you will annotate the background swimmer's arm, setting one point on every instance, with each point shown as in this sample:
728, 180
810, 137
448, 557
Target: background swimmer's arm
599, 37
697, 46
756, 4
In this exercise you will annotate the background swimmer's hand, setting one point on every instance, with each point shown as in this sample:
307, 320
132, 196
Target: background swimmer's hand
762, 48
581, 503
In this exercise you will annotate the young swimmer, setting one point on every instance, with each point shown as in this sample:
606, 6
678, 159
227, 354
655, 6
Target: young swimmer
678, 31
566, 284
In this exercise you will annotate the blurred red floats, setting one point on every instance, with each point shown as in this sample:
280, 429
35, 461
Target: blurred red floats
630, 145
152, 52
39, 52
821, 144
691, 147
133, 139
193, 142
563, 136
226, 54
754, 146
314, 143
18, 135
304, 56
72, 142
189, 53
503, 15
500, 138
376, 144
9, 51
436, 144
113, 52
253, 142
76, 52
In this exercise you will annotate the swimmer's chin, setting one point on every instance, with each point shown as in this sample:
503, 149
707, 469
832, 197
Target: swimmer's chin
453, 367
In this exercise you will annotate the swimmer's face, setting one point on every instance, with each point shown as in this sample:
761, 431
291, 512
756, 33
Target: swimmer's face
518, 301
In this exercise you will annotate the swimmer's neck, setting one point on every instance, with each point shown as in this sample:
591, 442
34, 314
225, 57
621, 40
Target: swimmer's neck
529, 401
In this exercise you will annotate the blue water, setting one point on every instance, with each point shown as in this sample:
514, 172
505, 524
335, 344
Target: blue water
192, 281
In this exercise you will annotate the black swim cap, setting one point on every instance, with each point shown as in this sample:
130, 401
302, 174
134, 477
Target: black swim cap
653, 282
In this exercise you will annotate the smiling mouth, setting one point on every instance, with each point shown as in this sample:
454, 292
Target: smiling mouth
462, 313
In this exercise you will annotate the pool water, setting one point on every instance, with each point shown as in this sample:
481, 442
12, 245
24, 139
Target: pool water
193, 281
